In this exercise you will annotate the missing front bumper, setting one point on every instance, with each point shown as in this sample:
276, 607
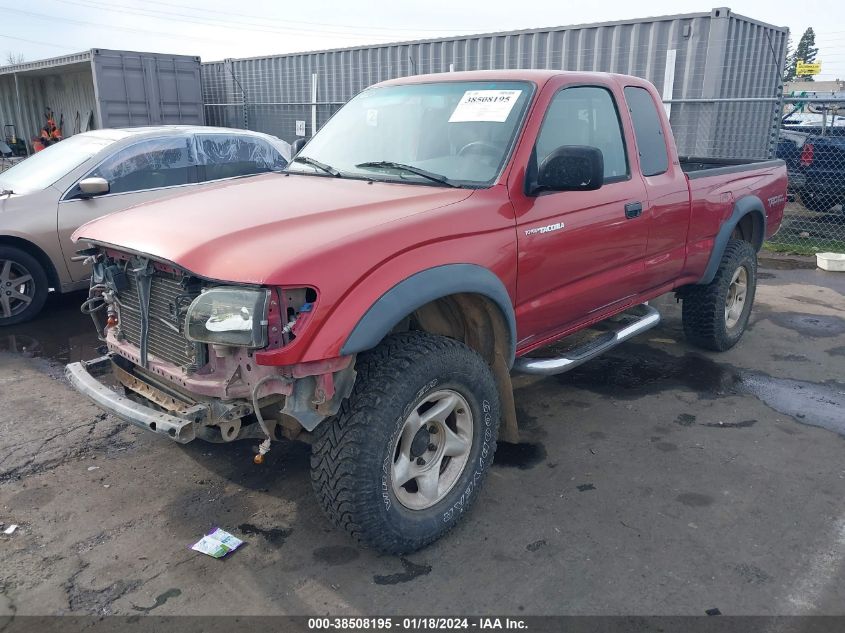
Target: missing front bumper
80, 375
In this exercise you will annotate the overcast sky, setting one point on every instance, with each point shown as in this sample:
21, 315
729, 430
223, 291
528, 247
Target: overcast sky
217, 29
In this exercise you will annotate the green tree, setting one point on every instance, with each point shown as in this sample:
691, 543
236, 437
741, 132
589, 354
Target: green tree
806, 51
789, 62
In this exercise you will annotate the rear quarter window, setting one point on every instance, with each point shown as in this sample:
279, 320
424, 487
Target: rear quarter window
651, 142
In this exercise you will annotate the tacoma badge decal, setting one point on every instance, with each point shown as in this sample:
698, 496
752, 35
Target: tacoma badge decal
545, 229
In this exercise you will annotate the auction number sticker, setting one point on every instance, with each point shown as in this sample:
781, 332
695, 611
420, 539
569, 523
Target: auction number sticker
485, 105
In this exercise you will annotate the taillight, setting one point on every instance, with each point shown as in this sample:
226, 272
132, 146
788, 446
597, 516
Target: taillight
807, 154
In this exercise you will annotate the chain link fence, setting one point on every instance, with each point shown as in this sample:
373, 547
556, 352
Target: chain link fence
282, 104
812, 142
738, 127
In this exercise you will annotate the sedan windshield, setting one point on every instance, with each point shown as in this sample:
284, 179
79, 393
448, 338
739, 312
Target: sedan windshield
42, 169
450, 133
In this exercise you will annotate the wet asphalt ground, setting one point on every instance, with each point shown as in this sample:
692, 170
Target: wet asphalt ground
655, 480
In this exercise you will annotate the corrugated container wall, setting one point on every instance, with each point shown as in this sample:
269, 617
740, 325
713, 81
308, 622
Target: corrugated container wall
704, 56
99, 89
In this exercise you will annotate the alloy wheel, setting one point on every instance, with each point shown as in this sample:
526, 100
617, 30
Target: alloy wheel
17, 288
432, 449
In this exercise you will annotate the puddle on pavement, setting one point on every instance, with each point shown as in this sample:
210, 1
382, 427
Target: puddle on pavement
410, 572
639, 370
61, 334
523, 456
813, 325
816, 404
786, 264
275, 536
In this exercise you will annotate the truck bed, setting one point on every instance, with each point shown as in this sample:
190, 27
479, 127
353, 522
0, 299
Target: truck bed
695, 167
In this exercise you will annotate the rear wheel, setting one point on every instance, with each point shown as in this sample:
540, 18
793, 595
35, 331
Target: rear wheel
23, 286
405, 457
715, 316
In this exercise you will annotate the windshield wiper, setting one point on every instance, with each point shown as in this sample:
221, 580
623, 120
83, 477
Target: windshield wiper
410, 169
321, 166
6, 192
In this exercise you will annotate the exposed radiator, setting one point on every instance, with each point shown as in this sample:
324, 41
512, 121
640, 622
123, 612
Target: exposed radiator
168, 300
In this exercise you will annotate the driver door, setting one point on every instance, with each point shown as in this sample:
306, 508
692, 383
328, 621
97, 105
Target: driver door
143, 171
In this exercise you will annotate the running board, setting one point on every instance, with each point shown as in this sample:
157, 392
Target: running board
646, 318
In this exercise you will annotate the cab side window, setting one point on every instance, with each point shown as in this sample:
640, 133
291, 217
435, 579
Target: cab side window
150, 164
230, 155
585, 115
651, 142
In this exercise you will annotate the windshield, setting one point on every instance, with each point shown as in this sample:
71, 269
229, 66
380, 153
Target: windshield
42, 169
457, 130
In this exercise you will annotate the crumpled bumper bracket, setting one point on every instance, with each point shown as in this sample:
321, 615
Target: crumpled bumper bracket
80, 376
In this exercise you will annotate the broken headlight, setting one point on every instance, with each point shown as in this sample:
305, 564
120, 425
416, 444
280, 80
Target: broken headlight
229, 316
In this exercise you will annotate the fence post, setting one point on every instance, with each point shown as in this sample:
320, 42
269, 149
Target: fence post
313, 104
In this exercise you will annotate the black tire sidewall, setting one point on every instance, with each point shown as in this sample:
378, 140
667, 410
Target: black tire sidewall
39, 278
743, 257
703, 309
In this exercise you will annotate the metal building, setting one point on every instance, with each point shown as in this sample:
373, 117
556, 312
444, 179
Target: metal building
719, 73
101, 88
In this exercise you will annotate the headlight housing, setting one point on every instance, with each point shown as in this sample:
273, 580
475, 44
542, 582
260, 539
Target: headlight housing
228, 315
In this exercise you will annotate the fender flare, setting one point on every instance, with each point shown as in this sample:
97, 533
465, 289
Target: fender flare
744, 206
24, 244
424, 287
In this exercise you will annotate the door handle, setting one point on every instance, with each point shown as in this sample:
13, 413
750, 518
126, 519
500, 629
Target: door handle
633, 210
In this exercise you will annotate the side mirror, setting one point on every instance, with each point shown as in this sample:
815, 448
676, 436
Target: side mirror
297, 146
571, 168
93, 186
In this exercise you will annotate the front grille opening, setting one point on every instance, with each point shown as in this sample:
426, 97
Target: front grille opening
170, 296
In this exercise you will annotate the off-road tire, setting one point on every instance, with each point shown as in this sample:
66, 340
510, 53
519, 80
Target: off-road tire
352, 452
703, 310
40, 283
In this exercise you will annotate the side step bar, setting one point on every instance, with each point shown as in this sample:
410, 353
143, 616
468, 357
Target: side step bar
646, 319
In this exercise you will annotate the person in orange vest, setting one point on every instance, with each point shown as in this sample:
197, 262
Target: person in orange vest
50, 133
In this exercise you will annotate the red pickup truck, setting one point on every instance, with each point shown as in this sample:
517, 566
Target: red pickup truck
374, 298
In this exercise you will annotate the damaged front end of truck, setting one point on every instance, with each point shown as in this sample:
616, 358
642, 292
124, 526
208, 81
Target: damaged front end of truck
181, 353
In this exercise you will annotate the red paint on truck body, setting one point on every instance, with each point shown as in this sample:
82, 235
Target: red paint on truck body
353, 240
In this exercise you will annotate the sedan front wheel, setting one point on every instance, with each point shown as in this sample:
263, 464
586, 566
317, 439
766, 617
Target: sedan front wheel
23, 286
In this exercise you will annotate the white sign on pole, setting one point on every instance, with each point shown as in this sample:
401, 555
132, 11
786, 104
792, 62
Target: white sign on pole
669, 79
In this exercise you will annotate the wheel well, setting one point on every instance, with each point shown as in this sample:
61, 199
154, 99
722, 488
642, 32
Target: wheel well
749, 229
37, 253
479, 323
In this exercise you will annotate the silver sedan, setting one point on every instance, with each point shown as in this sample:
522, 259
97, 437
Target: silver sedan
46, 197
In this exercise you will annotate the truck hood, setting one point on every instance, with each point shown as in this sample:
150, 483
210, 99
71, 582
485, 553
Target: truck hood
242, 230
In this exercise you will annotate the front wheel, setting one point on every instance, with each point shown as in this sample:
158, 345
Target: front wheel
405, 457
715, 316
23, 286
